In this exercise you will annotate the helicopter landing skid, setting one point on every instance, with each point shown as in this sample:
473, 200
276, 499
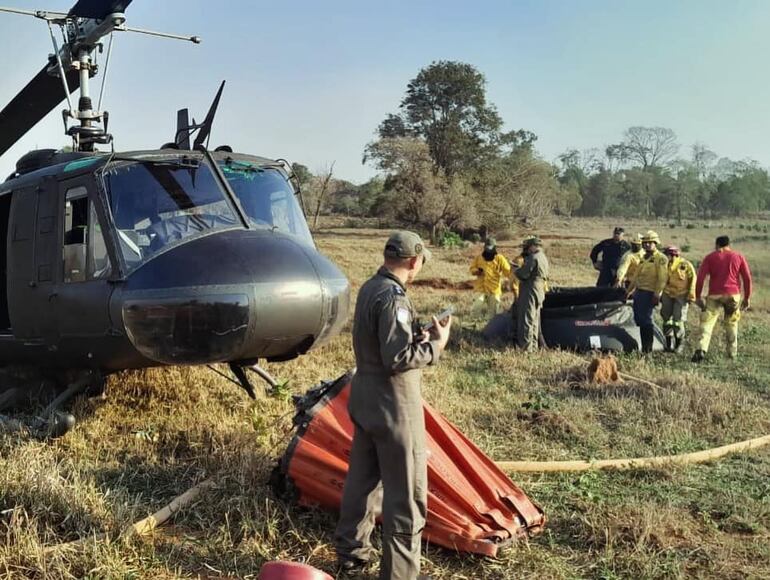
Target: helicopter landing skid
242, 379
52, 423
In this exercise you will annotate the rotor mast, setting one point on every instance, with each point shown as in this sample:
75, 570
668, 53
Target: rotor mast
82, 30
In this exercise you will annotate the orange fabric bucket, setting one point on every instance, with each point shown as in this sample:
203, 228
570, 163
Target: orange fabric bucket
472, 505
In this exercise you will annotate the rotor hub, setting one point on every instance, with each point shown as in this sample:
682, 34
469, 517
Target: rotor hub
71, 66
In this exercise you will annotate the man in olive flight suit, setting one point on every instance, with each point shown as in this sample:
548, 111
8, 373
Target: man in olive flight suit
386, 408
534, 276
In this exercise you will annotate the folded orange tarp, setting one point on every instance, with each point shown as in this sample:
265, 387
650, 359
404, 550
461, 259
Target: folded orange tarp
472, 505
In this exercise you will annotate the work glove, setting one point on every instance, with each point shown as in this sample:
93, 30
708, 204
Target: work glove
701, 304
597, 265
746, 305
655, 300
478, 272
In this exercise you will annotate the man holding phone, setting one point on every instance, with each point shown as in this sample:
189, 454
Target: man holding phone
387, 413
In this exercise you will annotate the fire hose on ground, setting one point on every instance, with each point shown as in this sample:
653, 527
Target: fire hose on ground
655, 462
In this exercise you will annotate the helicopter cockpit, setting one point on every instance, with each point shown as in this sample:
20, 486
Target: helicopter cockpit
177, 255
155, 203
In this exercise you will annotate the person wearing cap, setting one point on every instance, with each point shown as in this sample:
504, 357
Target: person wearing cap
515, 283
647, 287
611, 250
726, 270
629, 262
386, 409
533, 276
490, 269
678, 294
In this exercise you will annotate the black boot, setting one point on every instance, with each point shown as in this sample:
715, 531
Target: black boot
678, 343
647, 335
351, 567
670, 343
698, 356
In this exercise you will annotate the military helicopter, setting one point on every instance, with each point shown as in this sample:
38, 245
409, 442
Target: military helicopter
173, 256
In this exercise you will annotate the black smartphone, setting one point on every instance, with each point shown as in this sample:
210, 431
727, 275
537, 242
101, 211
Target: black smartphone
443, 316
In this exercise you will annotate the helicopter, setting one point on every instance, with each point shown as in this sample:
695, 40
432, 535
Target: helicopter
125, 260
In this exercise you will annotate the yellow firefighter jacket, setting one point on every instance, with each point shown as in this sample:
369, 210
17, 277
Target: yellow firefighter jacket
629, 263
652, 273
493, 273
681, 279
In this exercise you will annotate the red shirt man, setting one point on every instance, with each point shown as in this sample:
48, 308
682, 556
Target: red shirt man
726, 271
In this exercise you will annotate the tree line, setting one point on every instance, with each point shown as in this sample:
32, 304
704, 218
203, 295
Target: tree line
447, 164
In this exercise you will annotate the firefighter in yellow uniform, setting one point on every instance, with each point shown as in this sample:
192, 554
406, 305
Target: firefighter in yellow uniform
647, 287
490, 269
677, 296
629, 262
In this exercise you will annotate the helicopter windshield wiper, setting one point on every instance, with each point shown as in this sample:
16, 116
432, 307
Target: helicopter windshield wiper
185, 163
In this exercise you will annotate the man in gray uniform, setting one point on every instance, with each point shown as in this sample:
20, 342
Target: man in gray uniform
386, 408
533, 275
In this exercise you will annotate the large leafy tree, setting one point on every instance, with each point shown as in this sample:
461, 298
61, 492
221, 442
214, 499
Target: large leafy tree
446, 106
414, 192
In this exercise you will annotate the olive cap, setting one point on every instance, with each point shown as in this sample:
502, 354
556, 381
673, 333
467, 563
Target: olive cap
490, 244
404, 244
532, 241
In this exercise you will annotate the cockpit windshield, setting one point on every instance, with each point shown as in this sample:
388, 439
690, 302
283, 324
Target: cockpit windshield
156, 203
267, 198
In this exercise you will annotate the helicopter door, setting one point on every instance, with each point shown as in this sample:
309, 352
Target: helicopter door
83, 292
31, 261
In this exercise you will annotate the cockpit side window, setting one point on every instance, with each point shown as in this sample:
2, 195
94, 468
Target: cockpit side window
84, 249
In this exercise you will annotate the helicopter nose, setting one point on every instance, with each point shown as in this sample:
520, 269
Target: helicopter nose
233, 296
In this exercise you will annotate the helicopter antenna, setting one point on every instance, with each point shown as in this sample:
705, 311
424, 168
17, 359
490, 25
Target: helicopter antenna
185, 129
205, 132
71, 66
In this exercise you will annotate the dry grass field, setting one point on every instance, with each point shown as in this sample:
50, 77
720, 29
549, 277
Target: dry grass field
159, 432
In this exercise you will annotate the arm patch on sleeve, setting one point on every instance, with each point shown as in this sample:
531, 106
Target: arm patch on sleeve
402, 315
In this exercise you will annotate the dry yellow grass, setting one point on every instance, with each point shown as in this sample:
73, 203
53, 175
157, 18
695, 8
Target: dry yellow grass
159, 432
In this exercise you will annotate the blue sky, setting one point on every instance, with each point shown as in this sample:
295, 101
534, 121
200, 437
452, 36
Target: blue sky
310, 81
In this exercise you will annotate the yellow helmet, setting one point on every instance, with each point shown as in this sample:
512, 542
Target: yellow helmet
651, 236
637, 240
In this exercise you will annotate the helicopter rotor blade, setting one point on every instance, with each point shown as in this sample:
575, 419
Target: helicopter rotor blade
98, 8
205, 131
41, 95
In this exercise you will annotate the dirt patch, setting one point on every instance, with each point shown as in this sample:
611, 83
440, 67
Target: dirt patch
443, 284
600, 371
603, 371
